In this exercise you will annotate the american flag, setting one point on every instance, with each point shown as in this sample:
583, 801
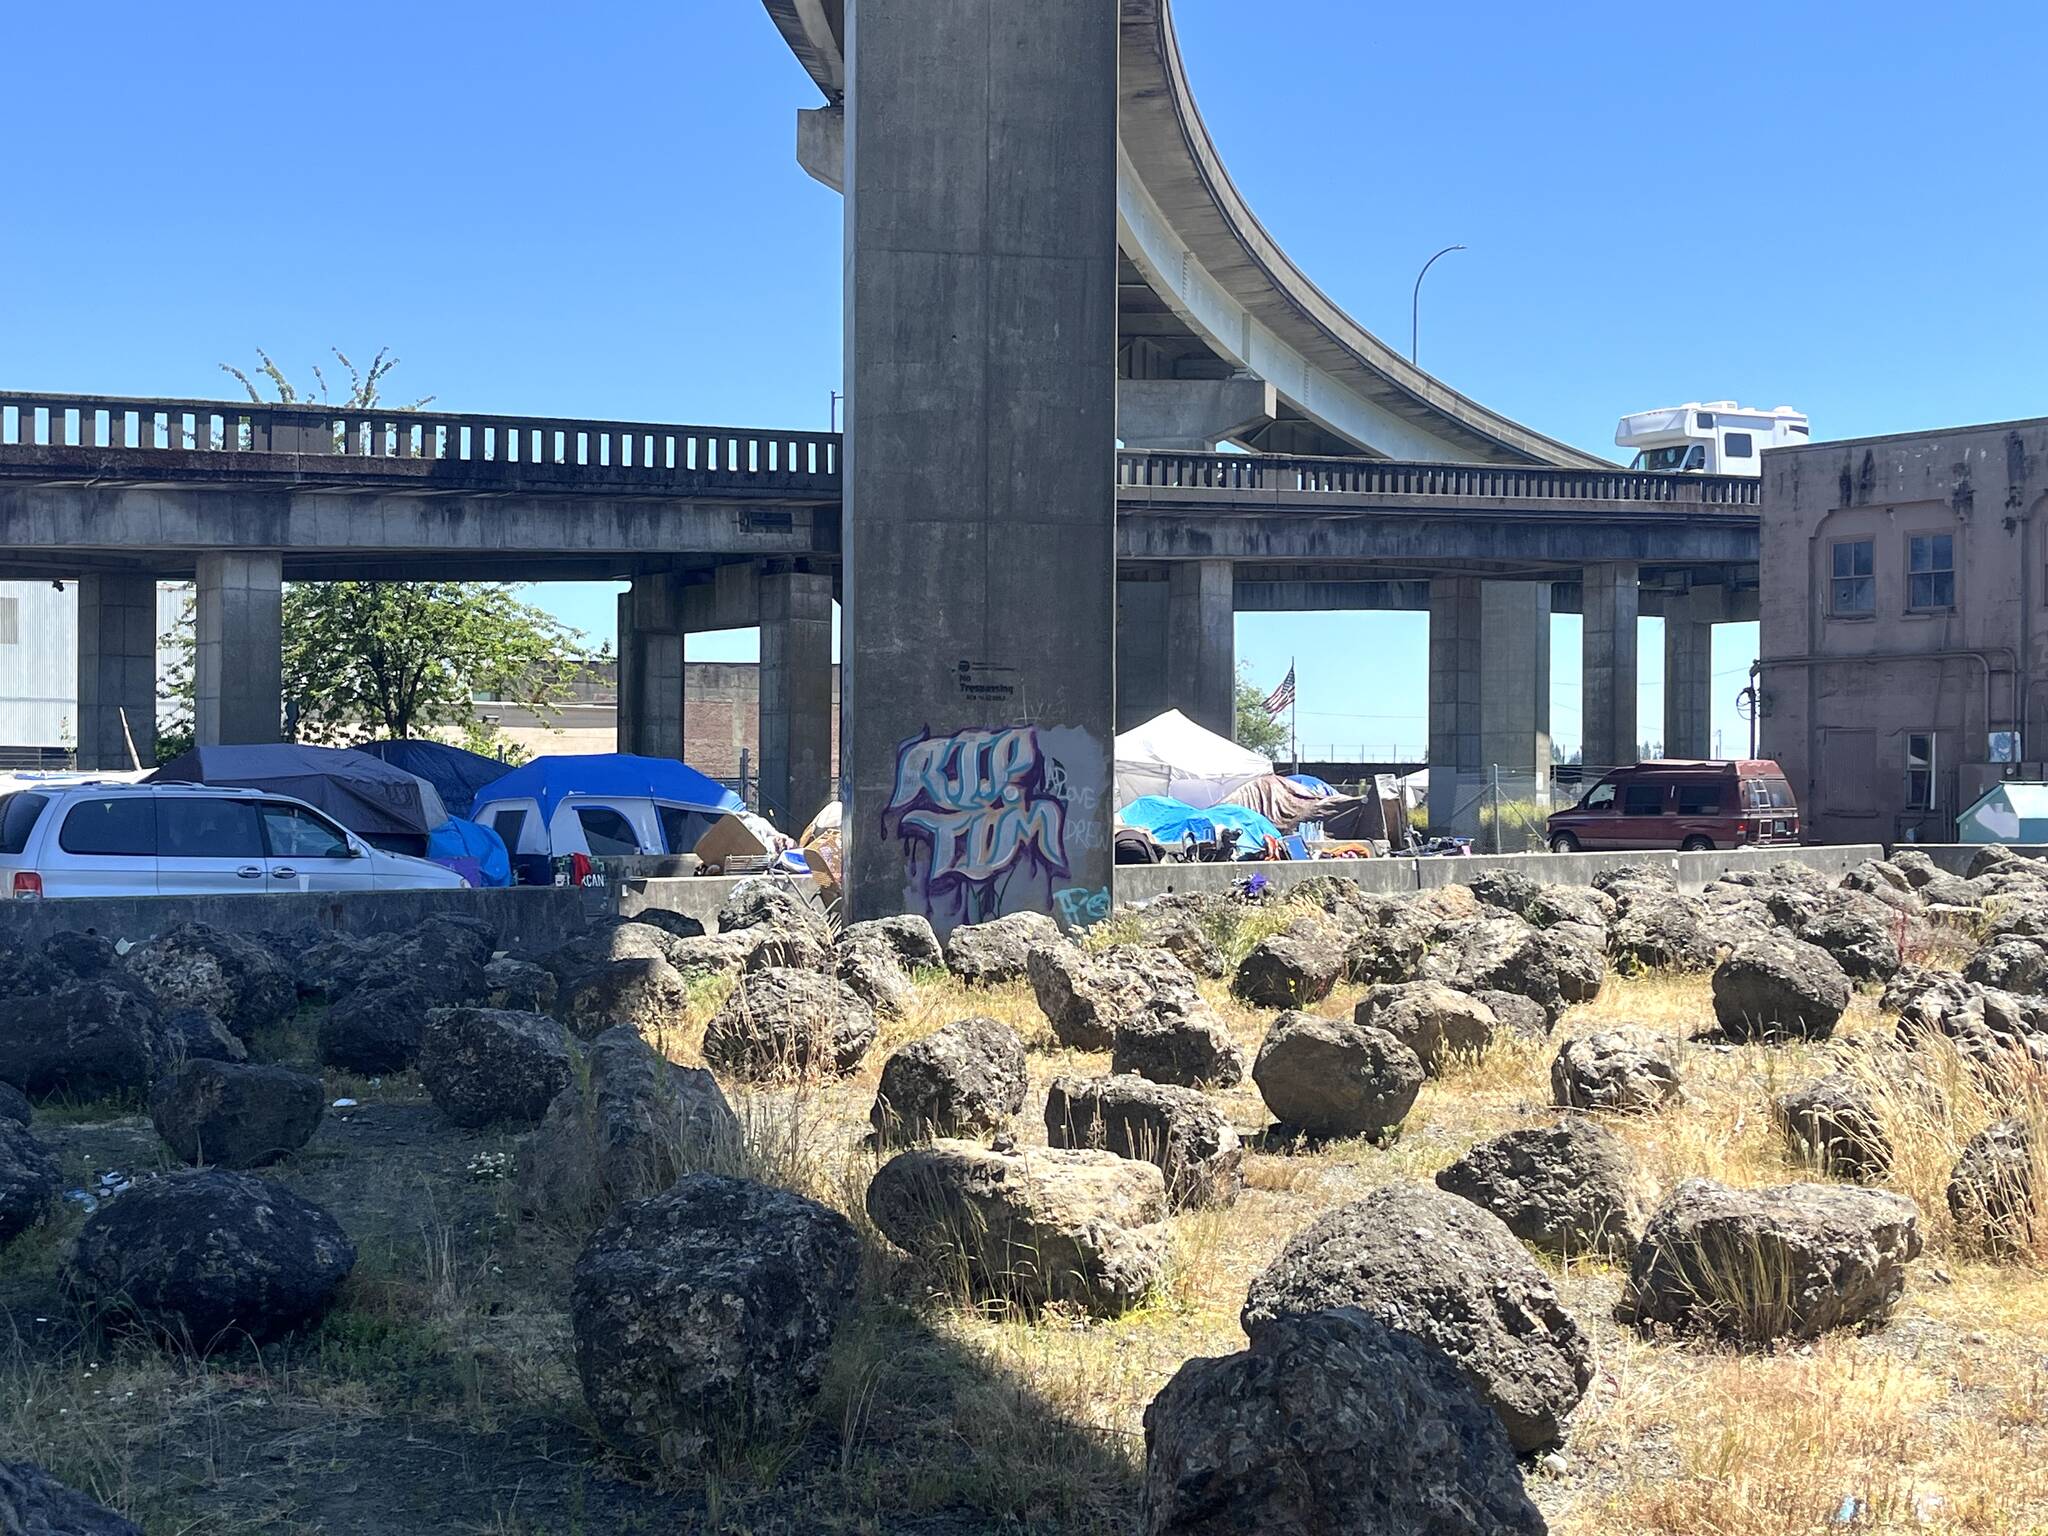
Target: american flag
1282, 696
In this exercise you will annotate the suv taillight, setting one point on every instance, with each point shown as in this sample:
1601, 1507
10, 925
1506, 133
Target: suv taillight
28, 885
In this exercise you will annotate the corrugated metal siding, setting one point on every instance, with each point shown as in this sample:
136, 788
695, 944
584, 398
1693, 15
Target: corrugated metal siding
39, 669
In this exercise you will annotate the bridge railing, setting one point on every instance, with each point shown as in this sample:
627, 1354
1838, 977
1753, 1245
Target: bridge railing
611, 451
1461, 482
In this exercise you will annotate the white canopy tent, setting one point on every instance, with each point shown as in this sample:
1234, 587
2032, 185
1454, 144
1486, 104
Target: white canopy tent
1171, 755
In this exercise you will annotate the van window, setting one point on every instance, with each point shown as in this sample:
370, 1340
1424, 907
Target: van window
1642, 800
606, 831
1600, 799
292, 832
116, 827
508, 824
202, 827
1699, 799
18, 815
1736, 445
1768, 794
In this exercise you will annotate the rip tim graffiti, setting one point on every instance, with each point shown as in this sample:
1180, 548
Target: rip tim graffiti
986, 822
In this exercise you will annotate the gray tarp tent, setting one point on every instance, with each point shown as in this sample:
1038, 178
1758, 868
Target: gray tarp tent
387, 805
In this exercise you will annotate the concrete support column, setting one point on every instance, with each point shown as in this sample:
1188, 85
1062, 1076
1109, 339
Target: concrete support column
1455, 748
238, 660
1191, 415
1689, 672
1141, 685
980, 514
116, 671
1514, 713
1609, 678
796, 696
1201, 643
650, 682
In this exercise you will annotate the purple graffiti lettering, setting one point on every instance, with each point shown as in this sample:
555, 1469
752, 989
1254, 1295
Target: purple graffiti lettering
981, 801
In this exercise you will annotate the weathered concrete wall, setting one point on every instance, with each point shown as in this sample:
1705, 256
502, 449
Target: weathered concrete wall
980, 517
1393, 877
531, 919
1847, 681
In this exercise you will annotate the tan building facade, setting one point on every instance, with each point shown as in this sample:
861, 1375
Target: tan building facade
1904, 631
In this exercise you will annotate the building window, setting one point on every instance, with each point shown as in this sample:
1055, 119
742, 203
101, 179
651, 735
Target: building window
10, 621
1737, 445
1931, 570
1920, 770
1855, 581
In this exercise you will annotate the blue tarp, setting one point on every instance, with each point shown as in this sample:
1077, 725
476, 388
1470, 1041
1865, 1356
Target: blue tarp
459, 843
1171, 821
1307, 781
458, 774
550, 780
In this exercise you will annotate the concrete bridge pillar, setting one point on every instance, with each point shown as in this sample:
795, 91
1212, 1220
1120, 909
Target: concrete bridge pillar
1689, 671
1609, 677
1455, 750
1191, 415
1201, 643
1141, 686
1489, 696
238, 658
650, 675
796, 696
116, 671
980, 513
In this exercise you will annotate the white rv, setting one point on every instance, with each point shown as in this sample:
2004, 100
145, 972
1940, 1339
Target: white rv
1717, 437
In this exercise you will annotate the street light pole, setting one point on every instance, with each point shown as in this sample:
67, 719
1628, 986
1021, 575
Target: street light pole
1415, 303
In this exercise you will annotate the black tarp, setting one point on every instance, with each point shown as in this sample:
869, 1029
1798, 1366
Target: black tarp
371, 798
456, 772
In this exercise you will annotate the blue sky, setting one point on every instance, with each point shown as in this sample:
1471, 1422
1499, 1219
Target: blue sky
1827, 206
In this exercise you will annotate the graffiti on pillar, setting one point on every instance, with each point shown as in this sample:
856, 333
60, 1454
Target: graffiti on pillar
988, 820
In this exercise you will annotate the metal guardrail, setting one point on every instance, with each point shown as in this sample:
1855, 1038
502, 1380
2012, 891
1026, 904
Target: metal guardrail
1450, 482
610, 451
654, 456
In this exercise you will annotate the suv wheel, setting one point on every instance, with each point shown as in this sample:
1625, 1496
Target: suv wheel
1564, 842
1696, 845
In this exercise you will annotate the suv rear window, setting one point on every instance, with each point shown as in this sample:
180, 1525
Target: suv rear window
117, 826
19, 813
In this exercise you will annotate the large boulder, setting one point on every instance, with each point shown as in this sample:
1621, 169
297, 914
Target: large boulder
967, 1079
33, 1503
444, 958
677, 925
776, 945
491, 1066
604, 943
1656, 929
1389, 947
1289, 970
236, 1114
909, 935
1438, 1023
1181, 1131
1993, 1190
1174, 1039
1779, 988
1086, 997
1505, 954
1428, 1263
209, 1257
1760, 1265
14, 1105
633, 1126
1182, 933
647, 995
1030, 1226
82, 955
29, 1179
193, 1034
1576, 904
237, 980
874, 972
375, 1029
2009, 963
1516, 1015
1505, 890
1333, 1077
782, 1022
525, 985
704, 1316
1570, 1189
985, 954
1626, 1070
774, 901
1861, 933
1329, 1422
86, 1039
1832, 1123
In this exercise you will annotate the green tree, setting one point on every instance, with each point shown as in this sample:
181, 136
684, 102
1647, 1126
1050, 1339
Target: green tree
1256, 729
397, 658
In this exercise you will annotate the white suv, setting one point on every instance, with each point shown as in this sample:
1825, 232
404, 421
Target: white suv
102, 838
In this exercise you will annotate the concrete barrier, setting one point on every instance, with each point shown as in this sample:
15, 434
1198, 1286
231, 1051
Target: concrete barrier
531, 919
1954, 858
1393, 877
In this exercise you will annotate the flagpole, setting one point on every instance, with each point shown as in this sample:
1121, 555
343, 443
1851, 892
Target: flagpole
1294, 715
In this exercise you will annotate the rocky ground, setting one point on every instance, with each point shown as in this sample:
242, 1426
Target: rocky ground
891, 1293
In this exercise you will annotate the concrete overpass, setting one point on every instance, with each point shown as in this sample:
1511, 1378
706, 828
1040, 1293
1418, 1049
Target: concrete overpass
729, 527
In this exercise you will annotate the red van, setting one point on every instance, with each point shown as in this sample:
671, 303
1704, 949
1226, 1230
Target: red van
1746, 803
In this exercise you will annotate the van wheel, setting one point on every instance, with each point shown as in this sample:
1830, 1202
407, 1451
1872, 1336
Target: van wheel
1696, 845
1564, 842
